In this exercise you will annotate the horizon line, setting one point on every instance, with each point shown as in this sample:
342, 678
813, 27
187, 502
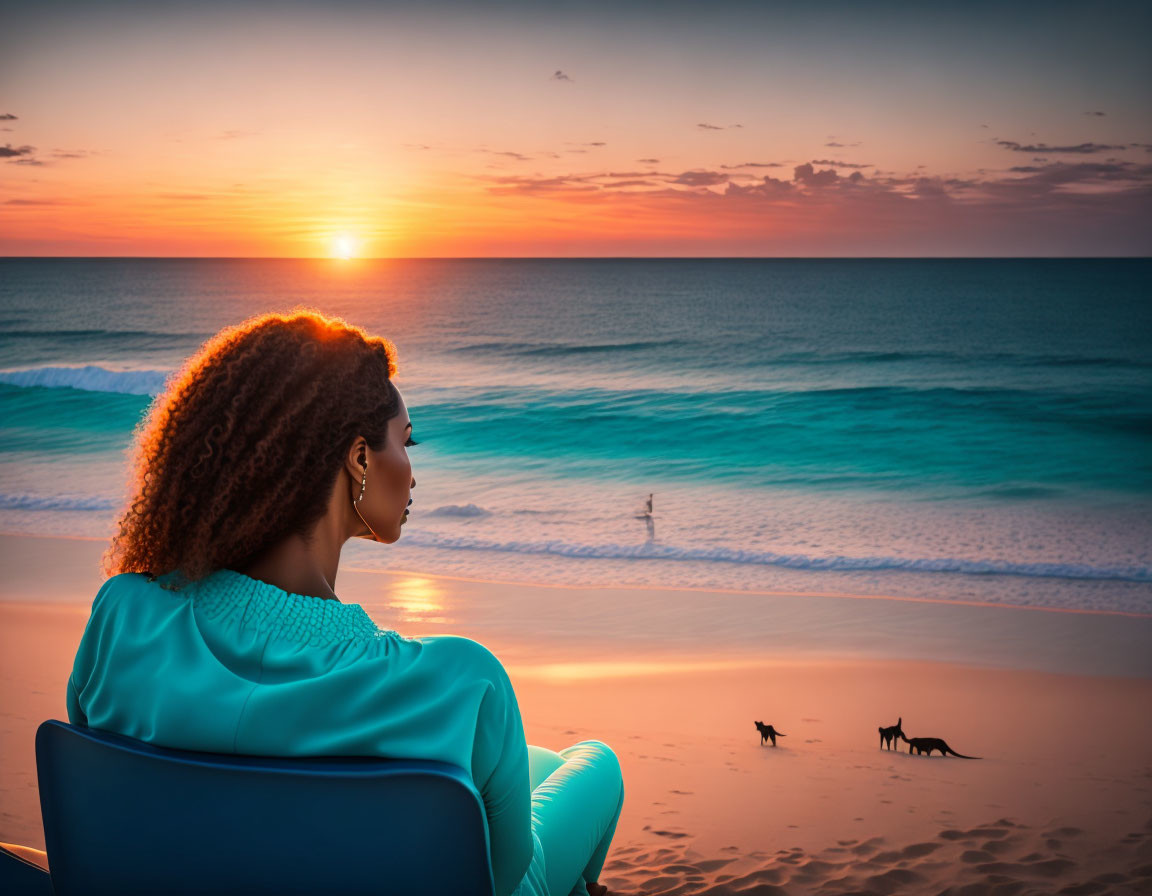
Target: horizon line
351, 261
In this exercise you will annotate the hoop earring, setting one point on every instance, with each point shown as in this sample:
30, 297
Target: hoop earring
356, 507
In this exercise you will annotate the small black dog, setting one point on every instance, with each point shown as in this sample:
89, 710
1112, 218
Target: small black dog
767, 732
890, 736
925, 745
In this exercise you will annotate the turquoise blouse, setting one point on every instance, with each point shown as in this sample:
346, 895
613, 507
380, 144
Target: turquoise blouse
231, 664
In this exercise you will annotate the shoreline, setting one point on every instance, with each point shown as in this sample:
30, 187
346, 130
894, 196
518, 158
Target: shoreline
532, 622
676, 589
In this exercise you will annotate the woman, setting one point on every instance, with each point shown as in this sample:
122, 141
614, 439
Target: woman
219, 628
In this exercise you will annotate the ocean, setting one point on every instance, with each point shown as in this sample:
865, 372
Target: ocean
973, 430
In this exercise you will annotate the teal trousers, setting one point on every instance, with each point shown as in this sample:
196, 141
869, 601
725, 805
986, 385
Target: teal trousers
577, 795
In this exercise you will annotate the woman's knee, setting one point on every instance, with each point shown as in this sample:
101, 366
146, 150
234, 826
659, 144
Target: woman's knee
598, 754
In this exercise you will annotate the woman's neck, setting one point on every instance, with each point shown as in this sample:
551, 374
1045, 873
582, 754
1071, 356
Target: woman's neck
298, 566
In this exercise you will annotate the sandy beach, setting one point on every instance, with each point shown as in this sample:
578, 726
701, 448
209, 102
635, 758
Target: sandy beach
1056, 704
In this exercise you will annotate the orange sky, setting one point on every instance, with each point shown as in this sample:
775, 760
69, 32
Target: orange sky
462, 130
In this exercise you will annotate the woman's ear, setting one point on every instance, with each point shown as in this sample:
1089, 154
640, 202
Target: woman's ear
356, 461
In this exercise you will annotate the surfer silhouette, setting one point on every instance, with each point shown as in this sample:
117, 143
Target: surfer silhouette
646, 515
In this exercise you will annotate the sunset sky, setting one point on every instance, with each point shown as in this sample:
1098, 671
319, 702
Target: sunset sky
575, 129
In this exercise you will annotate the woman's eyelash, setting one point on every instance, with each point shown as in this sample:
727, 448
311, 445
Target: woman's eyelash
410, 443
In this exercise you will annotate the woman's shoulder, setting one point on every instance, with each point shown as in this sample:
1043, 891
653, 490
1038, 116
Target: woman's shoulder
120, 585
131, 589
464, 654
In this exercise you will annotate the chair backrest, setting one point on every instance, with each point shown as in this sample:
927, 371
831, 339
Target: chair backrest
122, 816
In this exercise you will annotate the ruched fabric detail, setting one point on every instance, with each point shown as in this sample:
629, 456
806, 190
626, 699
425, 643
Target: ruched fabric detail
227, 596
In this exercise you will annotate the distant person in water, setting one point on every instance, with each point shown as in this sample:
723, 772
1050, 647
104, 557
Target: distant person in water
646, 515
283, 437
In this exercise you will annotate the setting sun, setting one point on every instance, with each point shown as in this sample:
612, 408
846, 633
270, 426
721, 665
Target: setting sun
343, 247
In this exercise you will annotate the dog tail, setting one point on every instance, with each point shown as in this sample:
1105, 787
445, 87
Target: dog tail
958, 755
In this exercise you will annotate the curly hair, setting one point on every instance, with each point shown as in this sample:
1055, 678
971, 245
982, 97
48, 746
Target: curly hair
243, 446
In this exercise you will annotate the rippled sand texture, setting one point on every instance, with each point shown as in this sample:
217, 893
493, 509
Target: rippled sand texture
1001, 857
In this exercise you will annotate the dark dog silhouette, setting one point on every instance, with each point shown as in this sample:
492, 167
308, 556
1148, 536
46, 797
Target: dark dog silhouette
925, 745
890, 736
767, 732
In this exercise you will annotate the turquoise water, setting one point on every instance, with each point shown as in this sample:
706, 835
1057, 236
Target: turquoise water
973, 429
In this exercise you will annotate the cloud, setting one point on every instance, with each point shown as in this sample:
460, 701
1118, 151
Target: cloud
569, 183
929, 187
618, 184
1079, 148
701, 179
1101, 114
7, 116
8, 151
841, 164
709, 127
1030, 193
559, 76
754, 165
34, 202
808, 176
1147, 147
70, 154
832, 144
27, 161
768, 188
648, 161
1062, 174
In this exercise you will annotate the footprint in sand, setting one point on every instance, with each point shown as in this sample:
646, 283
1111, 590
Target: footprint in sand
892, 881
916, 850
1062, 832
710, 865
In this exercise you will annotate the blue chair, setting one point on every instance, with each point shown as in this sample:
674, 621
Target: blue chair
124, 817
